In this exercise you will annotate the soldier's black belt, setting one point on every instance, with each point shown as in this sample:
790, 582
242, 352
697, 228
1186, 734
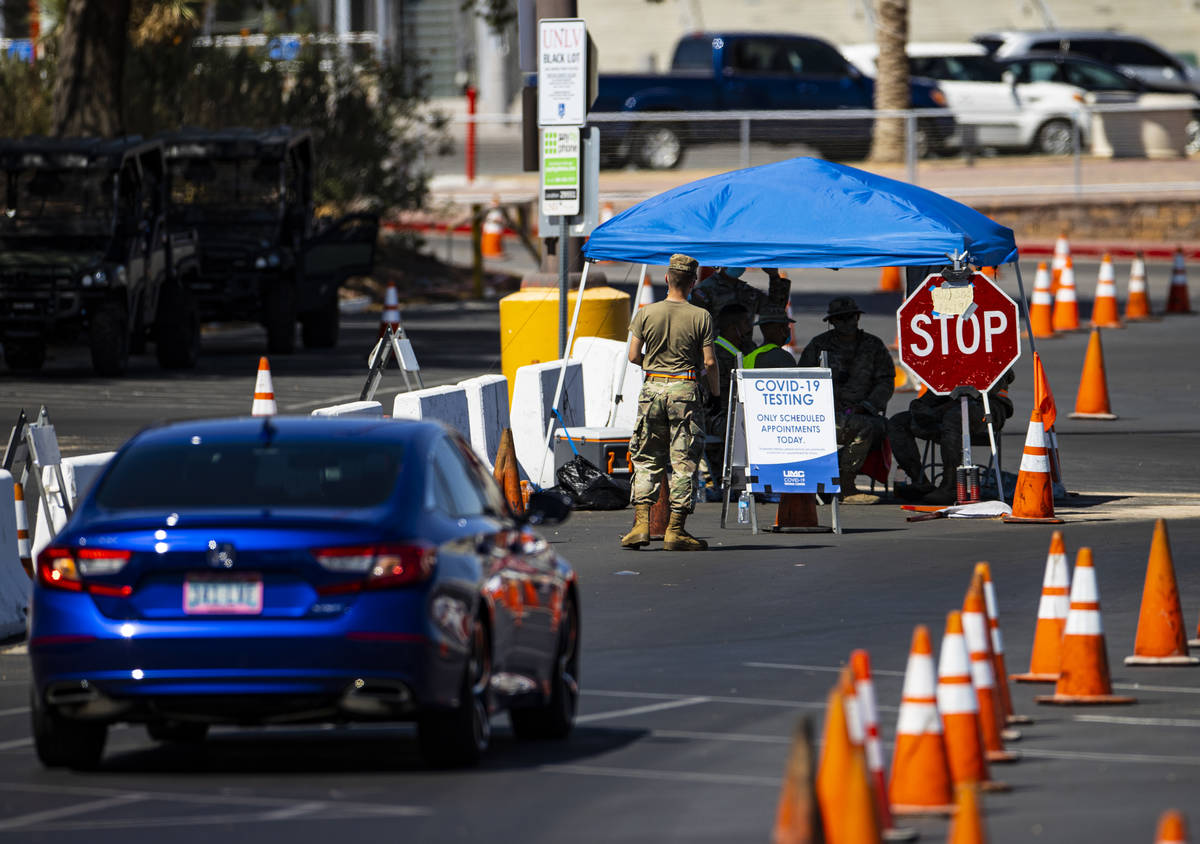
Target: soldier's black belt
682, 376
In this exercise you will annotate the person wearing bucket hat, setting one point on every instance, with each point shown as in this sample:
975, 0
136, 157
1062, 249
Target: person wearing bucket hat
776, 327
726, 287
863, 381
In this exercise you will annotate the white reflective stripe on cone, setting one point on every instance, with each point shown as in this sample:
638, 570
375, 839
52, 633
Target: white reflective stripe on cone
1043, 297
919, 679
1084, 590
853, 720
1054, 606
989, 598
1083, 623
957, 698
917, 719
953, 661
1035, 436
1058, 572
1035, 463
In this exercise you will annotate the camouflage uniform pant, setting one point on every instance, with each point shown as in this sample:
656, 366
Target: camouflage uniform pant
857, 434
669, 432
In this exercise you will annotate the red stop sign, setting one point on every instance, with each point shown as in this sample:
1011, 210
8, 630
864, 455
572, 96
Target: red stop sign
972, 350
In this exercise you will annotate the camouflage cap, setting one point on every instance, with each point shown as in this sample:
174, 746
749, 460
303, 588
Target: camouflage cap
684, 263
774, 317
841, 306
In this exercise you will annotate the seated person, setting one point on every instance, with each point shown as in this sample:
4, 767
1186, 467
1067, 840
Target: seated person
864, 377
939, 418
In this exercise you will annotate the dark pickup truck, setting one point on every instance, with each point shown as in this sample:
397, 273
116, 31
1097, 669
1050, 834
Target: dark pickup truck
751, 72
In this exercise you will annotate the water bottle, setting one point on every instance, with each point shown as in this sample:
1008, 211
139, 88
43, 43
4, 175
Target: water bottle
744, 507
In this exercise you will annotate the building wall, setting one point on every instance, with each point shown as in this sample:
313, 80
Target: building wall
634, 34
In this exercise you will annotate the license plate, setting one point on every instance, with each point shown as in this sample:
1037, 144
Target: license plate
223, 595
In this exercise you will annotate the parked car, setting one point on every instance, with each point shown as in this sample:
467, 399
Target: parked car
992, 111
1131, 53
301, 570
1092, 76
85, 254
249, 193
732, 71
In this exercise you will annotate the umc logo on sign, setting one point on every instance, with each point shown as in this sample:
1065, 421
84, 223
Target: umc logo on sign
793, 477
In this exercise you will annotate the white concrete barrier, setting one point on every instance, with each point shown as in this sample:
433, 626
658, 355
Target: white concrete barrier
604, 362
79, 473
15, 585
354, 408
487, 406
445, 404
533, 398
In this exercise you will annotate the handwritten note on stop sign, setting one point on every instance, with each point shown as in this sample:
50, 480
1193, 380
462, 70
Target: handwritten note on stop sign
953, 300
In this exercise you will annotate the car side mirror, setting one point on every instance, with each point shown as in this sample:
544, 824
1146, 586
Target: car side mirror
548, 507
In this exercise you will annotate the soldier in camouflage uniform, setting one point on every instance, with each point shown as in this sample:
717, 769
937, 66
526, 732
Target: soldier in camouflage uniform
725, 287
673, 343
863, 381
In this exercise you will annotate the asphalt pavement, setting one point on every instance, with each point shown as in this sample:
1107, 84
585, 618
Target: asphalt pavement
695, 666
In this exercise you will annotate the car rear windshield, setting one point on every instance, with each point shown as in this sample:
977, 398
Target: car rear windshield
957, 68
336, 474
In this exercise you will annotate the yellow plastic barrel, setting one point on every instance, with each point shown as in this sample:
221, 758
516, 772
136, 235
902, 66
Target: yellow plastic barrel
529, 324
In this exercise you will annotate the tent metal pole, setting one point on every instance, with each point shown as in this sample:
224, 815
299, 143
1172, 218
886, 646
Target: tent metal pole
1024, 306
987, 409
619, 388
562, 368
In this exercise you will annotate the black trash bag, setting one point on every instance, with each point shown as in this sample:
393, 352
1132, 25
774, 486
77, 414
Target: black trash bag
590, 488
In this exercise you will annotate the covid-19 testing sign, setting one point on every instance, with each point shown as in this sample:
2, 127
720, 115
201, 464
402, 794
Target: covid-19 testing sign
791, 433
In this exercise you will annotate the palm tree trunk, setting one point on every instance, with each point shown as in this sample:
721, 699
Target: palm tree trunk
91, 66
891, 81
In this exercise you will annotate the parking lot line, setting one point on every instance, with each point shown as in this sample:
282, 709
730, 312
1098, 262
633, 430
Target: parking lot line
76, 809
1142, 687
836, 669
740, 701
20, 710
15, 743
640, 710
664, 776
1138, 722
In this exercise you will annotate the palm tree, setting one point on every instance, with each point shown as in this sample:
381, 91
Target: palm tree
891, 82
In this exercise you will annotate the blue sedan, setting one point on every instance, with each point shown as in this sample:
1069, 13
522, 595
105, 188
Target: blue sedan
299, 570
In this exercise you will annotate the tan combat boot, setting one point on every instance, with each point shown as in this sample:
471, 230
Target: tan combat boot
678, 539
640, 534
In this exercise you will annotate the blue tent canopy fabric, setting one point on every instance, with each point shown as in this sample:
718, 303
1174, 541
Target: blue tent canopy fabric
804, 212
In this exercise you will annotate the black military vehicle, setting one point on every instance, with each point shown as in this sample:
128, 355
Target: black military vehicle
84, 251
249, 194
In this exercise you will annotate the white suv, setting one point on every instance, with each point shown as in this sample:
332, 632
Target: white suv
1001, 112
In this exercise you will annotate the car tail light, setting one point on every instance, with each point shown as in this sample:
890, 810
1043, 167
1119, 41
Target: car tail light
381, 566
66, 568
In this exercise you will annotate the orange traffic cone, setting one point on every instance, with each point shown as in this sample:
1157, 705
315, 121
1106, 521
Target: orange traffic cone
920, 781
1172, 828
798, 819
1104, 306
864, 691
508, 472
889, 280
983, 675
1046, 659
959, 706
904, 382
645, 294
1001, 670
1066, 307
264, 391
843, 789
1041, 312
390, 317
23, 550
1092, 400
491, 241
1062, 254
1033, 499
990, 272
1160, 638
967, 825
1177, 298
1137, 305
797, 513
1084, 672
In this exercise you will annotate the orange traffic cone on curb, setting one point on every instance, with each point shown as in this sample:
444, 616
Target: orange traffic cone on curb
390, 317
1066, 306
23, 549
1104, 306
1033, 499
1062, 254
843, 789
1177, 298
508, 472
264, 391
1092, 399
967, 825
1160, 638
1083, 676
645, 294
1172, 828
1041, 311
798, 819
993, 618
983, 674
797, 513
889, 280
491, 241
864, 691
1055, 602
920, 783
1137, 304
959, 706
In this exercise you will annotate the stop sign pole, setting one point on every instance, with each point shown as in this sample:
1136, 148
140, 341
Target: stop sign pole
960, 330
